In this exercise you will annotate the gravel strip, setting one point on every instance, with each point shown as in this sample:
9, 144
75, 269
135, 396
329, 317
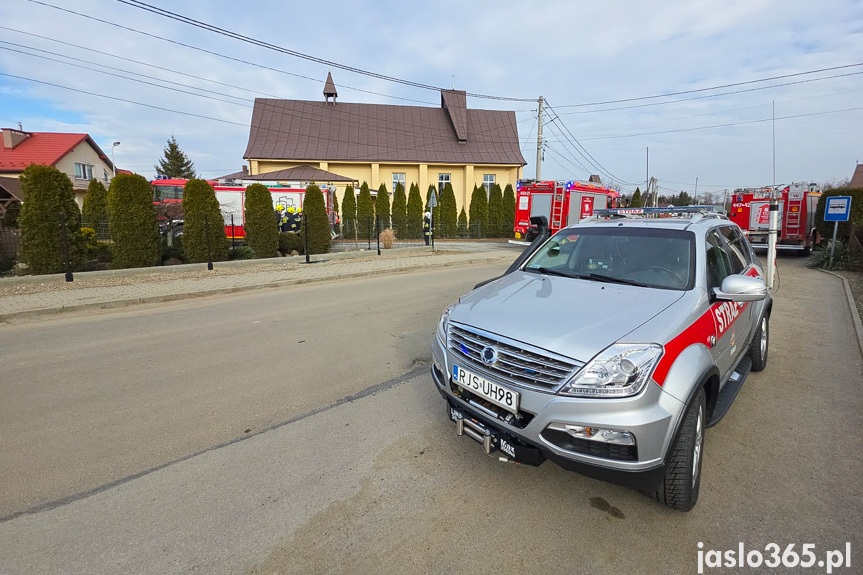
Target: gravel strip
855, 282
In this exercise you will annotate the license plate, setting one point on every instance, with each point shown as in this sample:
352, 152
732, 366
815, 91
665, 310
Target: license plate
497, 394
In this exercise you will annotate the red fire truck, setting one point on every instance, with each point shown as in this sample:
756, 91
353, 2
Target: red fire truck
562, 203
232, 201
797, 202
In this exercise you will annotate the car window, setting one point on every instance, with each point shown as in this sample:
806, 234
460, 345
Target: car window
718, 263
660, 258
737, 250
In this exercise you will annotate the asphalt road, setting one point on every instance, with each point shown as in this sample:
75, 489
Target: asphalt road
350, 464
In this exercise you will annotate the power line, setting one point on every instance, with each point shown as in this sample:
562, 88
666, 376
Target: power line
330, 63
697, 90
114, 74
217, 54
725, 125
713, 95
186, 74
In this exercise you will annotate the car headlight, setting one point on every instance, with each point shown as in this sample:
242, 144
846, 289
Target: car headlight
443, 324
620, 370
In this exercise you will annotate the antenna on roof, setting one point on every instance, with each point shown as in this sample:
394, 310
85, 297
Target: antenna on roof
20, 127
453, 81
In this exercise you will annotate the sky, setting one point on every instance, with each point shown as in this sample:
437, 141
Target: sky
575, 54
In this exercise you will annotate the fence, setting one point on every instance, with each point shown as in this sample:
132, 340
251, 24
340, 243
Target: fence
9, 243
363, 235
103, 234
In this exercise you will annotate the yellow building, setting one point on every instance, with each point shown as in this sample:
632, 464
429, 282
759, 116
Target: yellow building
387, 144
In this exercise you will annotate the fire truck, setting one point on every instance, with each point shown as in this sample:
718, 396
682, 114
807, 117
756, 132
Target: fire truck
562, 203
232, 201
797, 202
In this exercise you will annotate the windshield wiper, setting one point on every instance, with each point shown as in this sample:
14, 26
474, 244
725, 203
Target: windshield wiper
609, 279
549, 271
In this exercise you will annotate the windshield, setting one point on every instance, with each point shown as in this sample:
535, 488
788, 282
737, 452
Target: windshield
659, 258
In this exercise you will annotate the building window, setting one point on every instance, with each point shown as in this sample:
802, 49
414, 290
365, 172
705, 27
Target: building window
83, 171
442, 181
487, 182
105, 174
398, 179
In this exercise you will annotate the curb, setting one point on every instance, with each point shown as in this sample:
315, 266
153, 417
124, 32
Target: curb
855, 316
222, 291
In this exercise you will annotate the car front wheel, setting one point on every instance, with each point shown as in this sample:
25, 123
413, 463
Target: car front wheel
680, 486
759, 346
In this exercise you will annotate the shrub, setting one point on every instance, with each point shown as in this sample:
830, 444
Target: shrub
291, 242
96, 253
132, 221
95, 212
365, 212
496, 224
261, 227
843, 259
47, 192
316, 219
241, 253
414, 213
387, 238
382, 207
399, 210
349, 212
447, 213
479, 212
508, 212
462, 224
202, 216
174, 251
855, 219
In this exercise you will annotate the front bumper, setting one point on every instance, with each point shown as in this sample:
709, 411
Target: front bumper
651, 417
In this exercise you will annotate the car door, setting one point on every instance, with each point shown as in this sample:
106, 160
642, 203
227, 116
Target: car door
741, 263
718, 267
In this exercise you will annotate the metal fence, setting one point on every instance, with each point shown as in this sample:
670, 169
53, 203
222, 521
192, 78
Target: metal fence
364, 235
9, 243
103, 234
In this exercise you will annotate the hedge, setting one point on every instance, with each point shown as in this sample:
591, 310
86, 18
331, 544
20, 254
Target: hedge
399, 211
132, 222
47, 192
349, 212
203, 224
447, 213
479, 212
365, 212
315, 217
496, 225
261, 226
856, 217
414, 213
508, 212
382, 207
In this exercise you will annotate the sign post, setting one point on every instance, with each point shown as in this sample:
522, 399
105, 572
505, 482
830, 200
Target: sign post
432, 206
838, 210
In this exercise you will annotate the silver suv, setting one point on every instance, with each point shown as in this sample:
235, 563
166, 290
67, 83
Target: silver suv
609, 348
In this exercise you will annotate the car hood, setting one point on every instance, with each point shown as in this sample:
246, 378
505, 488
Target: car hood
576, 318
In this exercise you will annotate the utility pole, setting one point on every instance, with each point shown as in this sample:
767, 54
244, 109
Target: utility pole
695, 199
539, 139
773, 229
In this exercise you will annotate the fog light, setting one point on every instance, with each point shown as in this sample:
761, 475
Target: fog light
595, 433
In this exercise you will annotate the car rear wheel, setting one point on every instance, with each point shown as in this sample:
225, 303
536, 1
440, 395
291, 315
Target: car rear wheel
759, 346
682, 481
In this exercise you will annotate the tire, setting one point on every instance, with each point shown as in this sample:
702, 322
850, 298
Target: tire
760, 345
682, 480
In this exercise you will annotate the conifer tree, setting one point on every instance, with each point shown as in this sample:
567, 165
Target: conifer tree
414, 212
495, 213
132, 222
95, 212
365, 212
382, 208
349, 212
508, 211
175, 163
337, 228
399, 211
203, 224
446, 214
479, 212
261, 226
462, 224
315, 216
636, 201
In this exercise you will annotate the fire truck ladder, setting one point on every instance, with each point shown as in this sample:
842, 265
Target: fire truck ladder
557, 209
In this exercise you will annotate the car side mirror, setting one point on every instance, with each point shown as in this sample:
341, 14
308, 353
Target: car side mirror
740, 288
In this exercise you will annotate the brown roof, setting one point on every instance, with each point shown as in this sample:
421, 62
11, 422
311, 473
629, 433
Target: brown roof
317, 131
857, 178
244, 173
455, 103
11, 187
300, 174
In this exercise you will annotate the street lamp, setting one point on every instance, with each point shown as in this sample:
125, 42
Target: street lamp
113, 165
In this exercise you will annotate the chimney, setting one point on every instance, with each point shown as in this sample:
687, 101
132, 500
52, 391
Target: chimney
20, 127
12, 137
330, 89
245, 170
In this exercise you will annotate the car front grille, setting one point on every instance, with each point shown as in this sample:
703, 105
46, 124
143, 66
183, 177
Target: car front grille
516, 363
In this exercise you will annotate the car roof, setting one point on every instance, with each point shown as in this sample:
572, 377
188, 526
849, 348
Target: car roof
674, 223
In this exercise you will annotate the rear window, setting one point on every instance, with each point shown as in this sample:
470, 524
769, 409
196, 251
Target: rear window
659, 258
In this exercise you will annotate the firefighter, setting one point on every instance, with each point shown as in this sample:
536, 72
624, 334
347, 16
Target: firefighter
427, 227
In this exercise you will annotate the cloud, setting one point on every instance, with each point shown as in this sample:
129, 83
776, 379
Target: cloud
568, 52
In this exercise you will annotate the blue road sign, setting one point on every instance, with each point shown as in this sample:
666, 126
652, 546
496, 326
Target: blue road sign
838, 209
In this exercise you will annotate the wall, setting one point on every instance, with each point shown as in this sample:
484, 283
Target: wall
461, 178
84, 154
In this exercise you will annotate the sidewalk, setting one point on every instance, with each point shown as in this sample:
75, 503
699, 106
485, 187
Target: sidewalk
37, 295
